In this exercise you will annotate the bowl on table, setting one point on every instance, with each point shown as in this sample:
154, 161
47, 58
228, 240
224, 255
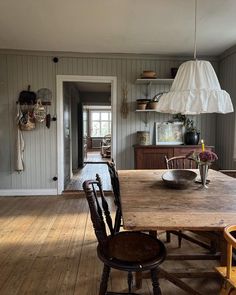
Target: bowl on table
179, 178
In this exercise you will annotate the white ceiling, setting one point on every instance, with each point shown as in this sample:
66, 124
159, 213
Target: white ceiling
117, 26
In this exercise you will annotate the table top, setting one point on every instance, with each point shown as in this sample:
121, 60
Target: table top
147, 204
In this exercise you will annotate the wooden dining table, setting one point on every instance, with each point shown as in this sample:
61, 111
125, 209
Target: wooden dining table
149, 205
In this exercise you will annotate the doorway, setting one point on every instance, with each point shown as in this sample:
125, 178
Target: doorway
98, 133
86, 128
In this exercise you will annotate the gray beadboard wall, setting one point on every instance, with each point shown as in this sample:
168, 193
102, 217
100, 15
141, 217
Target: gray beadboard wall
225, 129
18, 69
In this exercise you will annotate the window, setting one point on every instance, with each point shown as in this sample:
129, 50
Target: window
100, 123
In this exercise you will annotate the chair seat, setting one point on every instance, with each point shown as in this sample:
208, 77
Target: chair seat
137, 250
222, 271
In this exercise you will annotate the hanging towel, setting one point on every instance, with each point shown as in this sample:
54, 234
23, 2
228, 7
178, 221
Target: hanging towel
20, 144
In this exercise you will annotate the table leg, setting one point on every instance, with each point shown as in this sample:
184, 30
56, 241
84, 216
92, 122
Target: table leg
223, 250
138, 280
174, 280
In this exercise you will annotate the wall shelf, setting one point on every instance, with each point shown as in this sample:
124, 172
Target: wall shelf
145, 111
44, 103
154, 81
148, 83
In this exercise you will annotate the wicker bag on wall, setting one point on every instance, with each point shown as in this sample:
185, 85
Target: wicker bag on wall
39, 112
27, 122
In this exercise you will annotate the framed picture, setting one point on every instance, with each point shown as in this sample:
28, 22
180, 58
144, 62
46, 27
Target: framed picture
169, 133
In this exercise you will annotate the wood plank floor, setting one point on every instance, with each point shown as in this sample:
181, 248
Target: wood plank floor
89, 171
95, 156
47, 246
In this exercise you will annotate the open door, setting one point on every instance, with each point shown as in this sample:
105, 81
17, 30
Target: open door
81, 141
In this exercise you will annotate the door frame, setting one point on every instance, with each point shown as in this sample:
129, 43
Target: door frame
60, 138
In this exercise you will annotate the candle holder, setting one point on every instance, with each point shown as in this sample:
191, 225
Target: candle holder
203, 169
204, 159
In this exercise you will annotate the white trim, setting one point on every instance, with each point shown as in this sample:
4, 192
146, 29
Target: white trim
92, 107
71, 172
60, 141
28, 192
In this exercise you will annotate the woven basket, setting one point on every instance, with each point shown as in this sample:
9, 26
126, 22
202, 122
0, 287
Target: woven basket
27, 123
39, 112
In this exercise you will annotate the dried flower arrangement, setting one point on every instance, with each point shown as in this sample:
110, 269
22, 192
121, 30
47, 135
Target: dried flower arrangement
204, 157
124, 109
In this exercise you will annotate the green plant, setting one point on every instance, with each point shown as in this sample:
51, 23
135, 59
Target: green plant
189, 126
180, 118
188, 123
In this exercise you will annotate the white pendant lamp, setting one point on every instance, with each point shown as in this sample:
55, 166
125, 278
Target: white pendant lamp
195, 89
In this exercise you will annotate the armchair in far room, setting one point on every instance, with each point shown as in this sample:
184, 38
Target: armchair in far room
106, 146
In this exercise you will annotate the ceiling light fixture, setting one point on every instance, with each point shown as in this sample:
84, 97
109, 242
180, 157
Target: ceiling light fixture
196, 88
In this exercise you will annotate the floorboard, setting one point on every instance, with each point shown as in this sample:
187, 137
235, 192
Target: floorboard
95, 156
93, 164
48, 246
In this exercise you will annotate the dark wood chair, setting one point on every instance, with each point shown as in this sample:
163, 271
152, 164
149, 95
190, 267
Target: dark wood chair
125, 251
116, 191
183, 162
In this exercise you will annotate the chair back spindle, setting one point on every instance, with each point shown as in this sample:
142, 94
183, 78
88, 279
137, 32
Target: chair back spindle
180, 162
114, 182
97, 211
228, 271
105, 205
116, 191
231, 243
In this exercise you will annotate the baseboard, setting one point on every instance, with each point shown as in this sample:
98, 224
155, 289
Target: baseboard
27, 192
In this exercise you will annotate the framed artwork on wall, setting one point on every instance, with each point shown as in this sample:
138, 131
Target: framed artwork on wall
168, 133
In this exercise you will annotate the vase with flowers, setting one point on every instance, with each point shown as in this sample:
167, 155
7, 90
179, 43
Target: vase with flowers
204, 159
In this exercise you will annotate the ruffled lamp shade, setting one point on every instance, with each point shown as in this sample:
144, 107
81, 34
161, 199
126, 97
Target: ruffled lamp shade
195, 90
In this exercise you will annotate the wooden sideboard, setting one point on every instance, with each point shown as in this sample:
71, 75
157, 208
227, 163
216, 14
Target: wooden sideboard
153, 156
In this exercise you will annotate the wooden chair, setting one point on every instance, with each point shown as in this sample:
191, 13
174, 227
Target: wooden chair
118, 216
228, 272
182, 162
125, 251
116, 191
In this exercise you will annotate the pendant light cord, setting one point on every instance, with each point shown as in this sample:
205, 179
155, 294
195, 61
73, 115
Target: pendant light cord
195, 32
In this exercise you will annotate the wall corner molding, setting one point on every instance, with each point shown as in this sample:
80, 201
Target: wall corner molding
228, 52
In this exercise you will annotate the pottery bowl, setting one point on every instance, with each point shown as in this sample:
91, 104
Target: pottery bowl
179, 178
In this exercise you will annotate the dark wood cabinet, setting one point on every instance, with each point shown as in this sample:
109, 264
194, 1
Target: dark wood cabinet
153, 156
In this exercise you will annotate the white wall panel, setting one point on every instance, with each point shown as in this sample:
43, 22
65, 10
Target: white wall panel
19, 69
